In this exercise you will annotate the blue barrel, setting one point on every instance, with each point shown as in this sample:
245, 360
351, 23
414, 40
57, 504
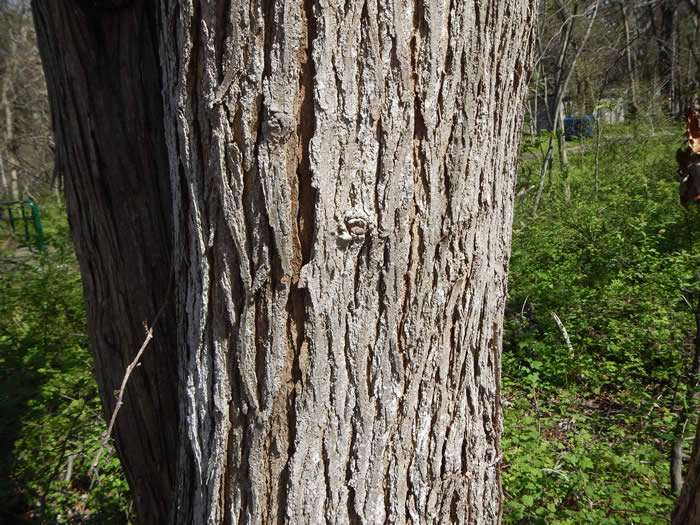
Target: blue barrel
578, 127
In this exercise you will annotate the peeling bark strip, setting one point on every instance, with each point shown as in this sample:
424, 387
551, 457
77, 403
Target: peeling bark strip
340, 201
343, 177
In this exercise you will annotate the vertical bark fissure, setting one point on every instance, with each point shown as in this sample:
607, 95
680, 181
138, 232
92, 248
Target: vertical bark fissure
340, 212
304, 213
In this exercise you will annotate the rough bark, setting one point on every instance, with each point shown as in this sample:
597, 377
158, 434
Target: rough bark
103, 79
341, 183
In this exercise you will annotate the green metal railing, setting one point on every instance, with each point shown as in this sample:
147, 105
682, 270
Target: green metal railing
22, 220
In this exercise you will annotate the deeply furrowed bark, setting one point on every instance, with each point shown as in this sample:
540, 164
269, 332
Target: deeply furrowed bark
345, 179
341, 177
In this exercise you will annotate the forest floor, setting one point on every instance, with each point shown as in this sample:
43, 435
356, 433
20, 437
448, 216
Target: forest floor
589, 422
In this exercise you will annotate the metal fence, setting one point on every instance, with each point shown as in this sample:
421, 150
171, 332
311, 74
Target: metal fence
22, 222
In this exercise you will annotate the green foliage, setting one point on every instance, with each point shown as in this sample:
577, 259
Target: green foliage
588, 429
48, 396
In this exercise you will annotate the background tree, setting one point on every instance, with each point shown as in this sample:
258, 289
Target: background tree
320, 204
640, 54
566, 55
687, 510
25, 138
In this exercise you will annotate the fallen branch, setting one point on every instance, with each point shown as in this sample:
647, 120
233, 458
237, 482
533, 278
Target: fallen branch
564, 333
558, 472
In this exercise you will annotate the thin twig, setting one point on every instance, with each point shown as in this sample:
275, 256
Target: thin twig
127, 373
120, 402
522, 310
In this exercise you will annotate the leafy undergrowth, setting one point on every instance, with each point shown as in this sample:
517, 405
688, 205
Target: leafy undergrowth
52, 422
588, 427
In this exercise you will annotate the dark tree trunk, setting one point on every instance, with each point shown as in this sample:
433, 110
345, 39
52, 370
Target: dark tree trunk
332, 187
687, 511
104, 86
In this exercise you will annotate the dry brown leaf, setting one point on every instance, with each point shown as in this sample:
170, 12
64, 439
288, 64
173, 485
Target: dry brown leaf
689, 172
692, 130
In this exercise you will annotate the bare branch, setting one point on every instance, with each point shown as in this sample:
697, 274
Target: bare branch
120, 402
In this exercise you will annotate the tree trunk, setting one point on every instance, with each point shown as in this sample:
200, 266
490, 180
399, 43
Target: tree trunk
669, 13
340, 200
687, 511
9, 149
103, 76
563, 156
629, 54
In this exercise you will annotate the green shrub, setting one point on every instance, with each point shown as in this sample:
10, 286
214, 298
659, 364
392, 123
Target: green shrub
48, 396
588, 428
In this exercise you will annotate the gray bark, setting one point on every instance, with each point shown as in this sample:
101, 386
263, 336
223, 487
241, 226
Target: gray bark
341, 183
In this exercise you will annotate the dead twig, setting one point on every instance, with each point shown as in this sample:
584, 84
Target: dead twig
564, 333
120, 393
120, 398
